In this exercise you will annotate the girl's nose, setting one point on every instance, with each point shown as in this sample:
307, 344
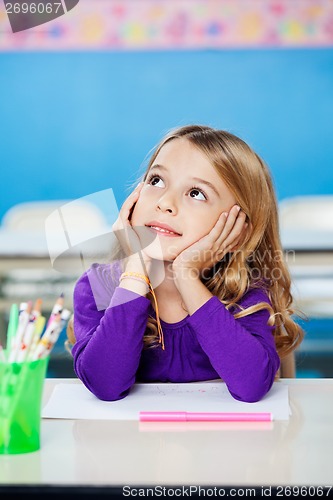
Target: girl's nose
166, 204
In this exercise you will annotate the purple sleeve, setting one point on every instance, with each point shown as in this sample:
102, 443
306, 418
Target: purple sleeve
108, 342
242, 351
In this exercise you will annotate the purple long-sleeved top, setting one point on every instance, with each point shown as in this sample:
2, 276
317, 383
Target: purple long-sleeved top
109, 325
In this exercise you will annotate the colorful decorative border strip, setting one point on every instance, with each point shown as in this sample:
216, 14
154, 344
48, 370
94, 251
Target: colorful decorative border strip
177, 24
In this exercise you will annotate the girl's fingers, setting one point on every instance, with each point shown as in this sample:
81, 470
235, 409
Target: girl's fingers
130, 200
122, 226
219, 227
233, 227
236, 243
232, 217
223, 226
129, 203
233, 244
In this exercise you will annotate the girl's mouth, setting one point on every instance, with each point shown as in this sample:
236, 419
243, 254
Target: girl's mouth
163, 232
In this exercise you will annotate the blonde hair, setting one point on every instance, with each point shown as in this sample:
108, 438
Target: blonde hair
259, 260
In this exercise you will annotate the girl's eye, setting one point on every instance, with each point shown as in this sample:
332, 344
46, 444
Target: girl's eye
197, 191
154, 179
194, 192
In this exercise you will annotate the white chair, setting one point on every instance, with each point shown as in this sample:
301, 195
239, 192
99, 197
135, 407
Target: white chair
307, 212
306, 222
31, 216
34, 234
306, 228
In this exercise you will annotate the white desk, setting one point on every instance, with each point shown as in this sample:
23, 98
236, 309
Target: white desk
115, 453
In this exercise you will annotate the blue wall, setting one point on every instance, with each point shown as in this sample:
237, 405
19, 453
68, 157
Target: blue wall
76, 123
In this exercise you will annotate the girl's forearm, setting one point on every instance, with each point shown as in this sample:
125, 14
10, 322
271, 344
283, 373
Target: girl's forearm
242, 351
109, 343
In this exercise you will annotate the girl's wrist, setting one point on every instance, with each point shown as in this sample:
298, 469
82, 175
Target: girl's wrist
182, 273
136, 263
134, 285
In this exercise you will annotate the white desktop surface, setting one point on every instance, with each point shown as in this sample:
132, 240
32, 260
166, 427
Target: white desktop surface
118, 453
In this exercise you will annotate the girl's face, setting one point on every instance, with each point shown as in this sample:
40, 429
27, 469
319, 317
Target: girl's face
184, 192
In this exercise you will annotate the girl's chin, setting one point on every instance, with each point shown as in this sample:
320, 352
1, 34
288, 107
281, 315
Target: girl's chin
158, 256
159, 250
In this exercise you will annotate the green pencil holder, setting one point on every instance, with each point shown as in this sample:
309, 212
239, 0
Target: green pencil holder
21, 391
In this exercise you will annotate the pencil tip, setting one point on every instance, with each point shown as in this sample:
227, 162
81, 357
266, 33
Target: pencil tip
38, 304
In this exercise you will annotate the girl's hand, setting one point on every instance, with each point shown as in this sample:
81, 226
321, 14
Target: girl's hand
226, 236
123, 228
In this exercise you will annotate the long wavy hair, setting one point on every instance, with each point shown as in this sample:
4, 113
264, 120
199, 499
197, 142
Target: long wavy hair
259, 261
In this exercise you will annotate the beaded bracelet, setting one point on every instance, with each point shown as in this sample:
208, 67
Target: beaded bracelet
137, 278
132, 274
142, 277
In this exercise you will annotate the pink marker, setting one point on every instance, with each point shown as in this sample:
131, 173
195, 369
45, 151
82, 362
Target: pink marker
183, 416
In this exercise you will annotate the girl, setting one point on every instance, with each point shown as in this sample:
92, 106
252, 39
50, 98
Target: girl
203, 292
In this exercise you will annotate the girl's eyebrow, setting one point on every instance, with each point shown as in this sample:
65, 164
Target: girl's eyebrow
197, 179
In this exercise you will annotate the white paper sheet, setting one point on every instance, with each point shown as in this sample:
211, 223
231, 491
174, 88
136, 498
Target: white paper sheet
75, 401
